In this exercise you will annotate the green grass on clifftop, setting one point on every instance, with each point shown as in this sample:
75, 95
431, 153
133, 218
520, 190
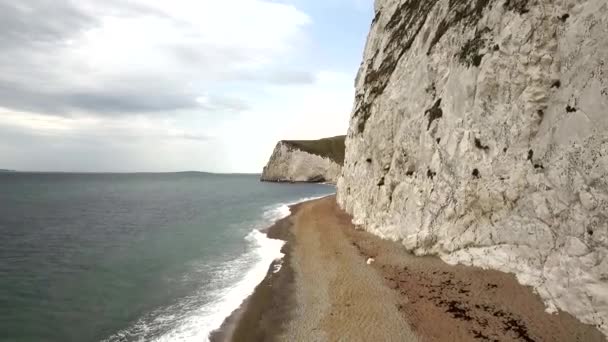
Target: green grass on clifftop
332, 148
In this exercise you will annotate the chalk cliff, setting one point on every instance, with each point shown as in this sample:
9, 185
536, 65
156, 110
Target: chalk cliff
306, 161
480, 134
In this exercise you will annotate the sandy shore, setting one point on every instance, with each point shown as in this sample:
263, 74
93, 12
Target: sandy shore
262, 316
325, 291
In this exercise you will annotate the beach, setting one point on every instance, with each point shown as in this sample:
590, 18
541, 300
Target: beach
326, 290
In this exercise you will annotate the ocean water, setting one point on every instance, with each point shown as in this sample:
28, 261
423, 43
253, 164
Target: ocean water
140, 257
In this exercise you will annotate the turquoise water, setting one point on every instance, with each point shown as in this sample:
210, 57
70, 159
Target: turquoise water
141, 257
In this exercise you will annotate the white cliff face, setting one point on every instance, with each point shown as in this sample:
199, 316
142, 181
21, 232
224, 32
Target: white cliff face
289, 164
480, 134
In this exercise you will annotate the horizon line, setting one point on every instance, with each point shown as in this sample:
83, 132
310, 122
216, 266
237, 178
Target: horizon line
130, 172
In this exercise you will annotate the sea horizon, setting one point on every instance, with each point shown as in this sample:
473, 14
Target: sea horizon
132, 172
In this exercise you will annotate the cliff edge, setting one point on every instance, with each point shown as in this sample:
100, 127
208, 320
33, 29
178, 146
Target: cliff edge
480, 134
306, 161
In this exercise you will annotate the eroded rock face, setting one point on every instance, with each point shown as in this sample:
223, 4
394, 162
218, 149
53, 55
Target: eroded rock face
480, 134
290, 164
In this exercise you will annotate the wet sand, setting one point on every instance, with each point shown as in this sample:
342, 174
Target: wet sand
325, 291
262, 316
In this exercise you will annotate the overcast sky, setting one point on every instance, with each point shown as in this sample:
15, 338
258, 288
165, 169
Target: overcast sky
157, 85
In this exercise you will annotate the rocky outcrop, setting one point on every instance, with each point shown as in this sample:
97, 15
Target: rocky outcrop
480, 134
312, 161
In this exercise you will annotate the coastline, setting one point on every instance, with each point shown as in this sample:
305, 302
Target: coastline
325, 290
261, 316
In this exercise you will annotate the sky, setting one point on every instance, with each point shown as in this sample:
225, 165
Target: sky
181, 85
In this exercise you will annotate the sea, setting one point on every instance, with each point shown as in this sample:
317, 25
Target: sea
133, 257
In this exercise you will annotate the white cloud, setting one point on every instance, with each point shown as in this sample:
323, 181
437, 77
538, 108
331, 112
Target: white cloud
200, 37
118, 56
134, 85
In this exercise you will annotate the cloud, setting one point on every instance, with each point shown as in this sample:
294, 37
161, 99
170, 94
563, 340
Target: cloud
96, 129
125, 144
39, 22
194, 137
156, 85
218, 103
113, 58
111, 99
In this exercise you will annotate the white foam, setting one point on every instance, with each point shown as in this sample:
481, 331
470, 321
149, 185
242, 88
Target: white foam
280, 211
190, 320
200, 324
277, 266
